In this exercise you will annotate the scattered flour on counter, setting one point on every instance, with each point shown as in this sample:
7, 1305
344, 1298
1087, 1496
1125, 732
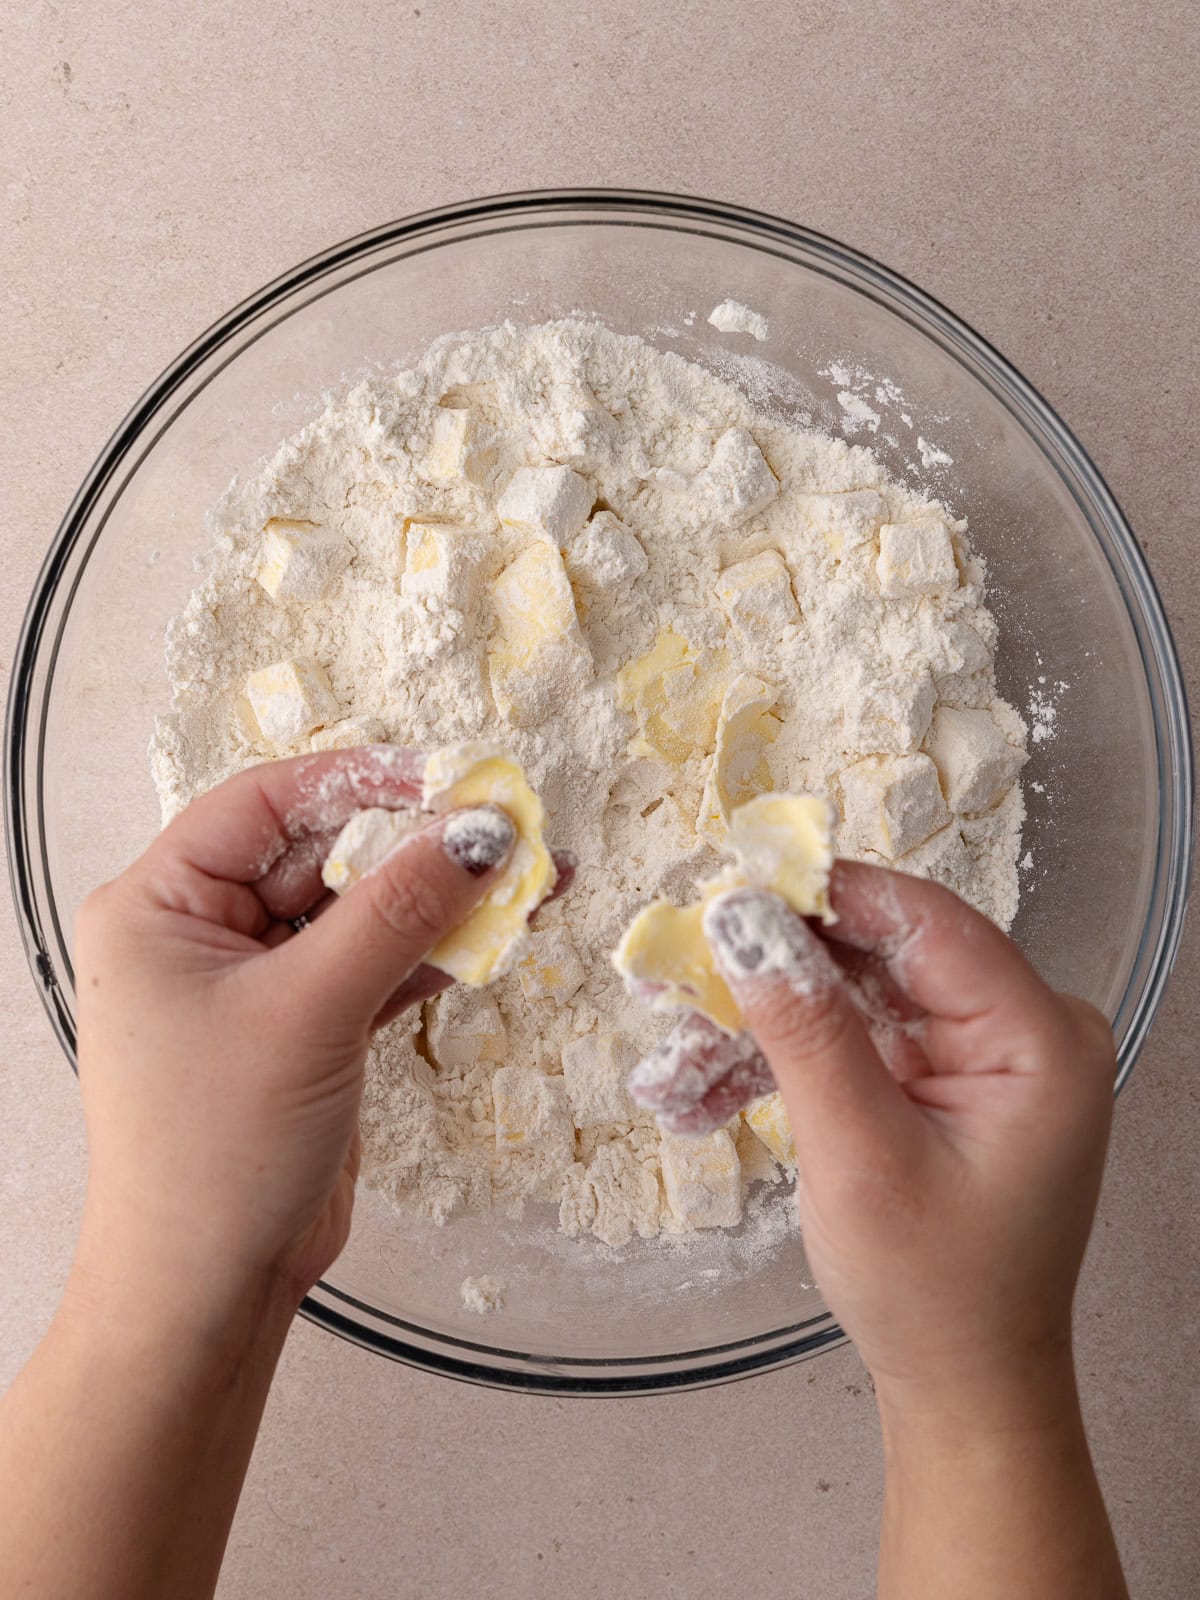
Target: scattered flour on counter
483, 1294
733, 317
673, 550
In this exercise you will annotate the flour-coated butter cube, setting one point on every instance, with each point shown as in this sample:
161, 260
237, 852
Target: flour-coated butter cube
348, 734
702, 1179
531, 1113
549, 503
848, 520
915, 559
975, 761
769, 1119
291, 698
458, 448
537, 654
365, 843
889, 714
891, 804
440, 564
605, 555
466, 1028
756, 595
737, 483
552, 970
596, 1069
299, 560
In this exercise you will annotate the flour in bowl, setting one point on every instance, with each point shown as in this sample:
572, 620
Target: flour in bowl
661, 601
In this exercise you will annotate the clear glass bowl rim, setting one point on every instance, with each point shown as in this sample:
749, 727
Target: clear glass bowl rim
28, 709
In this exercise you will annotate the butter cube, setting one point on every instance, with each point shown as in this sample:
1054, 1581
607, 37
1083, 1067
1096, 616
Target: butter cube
549, 503
466, 1028
364, 844
756, 595
290, 699
595, 1070
891, 804
739, 768
605, 556
552, 970
737, 483
848, 520
537, 655
891, 714
299, 560
915, 559
703, 1180
975, 761
348, 734
676, 696
440, 564
457, 448
769, 1119
531, 1113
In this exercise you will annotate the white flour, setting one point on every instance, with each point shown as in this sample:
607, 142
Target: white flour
855, 660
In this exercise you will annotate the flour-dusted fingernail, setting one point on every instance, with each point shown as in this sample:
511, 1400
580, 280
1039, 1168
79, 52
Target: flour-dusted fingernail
479, 838
755, 935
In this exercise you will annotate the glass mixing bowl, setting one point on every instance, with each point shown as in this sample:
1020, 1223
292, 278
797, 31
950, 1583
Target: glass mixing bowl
1109, 830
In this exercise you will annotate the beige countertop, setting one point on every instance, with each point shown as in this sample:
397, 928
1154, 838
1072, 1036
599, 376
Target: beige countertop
1033, 166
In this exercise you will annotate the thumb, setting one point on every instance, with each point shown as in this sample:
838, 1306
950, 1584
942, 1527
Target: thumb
353, 957
839, 1094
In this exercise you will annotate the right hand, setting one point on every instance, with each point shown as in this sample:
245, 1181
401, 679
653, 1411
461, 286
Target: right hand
950, 1113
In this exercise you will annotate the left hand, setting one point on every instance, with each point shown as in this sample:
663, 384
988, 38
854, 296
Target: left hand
221, 1053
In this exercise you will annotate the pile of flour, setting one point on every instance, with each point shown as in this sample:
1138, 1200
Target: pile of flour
856, 674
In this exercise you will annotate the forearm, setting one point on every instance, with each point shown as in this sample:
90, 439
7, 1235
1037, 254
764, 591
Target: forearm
990, 1492
124, 1443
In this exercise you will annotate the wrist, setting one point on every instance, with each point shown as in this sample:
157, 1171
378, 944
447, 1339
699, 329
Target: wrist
957, 1412
128, 1293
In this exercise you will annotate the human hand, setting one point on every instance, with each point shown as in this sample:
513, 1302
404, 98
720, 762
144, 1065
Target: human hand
221, 1052
950, 1113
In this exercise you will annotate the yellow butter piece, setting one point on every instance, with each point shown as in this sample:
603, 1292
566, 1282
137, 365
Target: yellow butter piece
495, 935
665, 945
739, 769
676, 696
782, 843
768, 1119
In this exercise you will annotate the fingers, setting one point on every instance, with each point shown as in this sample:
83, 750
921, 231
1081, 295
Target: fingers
697, 1057
946, 957
243, 829
362, 948
795, 1000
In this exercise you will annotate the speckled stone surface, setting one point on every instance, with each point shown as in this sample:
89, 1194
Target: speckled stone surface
1033, 166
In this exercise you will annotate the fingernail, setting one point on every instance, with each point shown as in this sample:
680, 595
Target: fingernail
479, 838
754, 934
